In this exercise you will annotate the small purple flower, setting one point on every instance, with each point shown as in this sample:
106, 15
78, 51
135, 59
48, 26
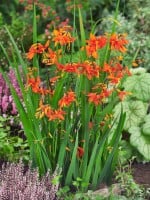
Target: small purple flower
17, 184
7, 105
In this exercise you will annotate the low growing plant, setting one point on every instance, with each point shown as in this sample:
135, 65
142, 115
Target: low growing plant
129, 187
12, 145
67, 107
21, 184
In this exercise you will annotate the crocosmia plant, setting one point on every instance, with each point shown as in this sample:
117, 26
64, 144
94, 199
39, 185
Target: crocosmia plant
73, 82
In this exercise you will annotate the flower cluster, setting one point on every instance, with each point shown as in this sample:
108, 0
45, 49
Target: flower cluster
100, 96
51, 114
37, 48
118, 42
36, 85
95, 43
17, 184
7, 105
47, 111
45, 9
110, 73
87, 68
62, 36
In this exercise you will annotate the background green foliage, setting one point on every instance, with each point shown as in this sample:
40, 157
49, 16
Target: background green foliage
12, 145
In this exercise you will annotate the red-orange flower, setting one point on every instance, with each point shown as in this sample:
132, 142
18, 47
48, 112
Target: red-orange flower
62, 36
90, 125
42, 110
107, 68
89, 69
35, 84
94, 44
54, 79
36, 48
123, 94
67, 99
114, 78
56, 115
93, 97
69, 67
80, 152
101, 96
118, 42
115, 72
50, 57
47, 111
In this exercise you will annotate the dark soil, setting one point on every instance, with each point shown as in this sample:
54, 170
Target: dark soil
141, 173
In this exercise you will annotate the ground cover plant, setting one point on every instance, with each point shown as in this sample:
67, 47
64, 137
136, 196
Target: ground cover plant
77, 96
27, 185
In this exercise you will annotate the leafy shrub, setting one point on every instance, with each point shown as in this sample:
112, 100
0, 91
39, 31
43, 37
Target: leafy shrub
21, 30
12, 141
16, 183
13, 146
136, 107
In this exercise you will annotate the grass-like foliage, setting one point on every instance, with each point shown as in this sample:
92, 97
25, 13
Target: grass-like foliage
73, 83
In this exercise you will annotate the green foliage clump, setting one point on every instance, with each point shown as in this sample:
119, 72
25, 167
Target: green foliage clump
136, 107
12, 145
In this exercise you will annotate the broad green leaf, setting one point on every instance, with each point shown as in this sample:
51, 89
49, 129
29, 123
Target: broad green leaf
147, 118
146, 126
135, 112
137, 71
2, 134
139, 85
140, 141
125, 151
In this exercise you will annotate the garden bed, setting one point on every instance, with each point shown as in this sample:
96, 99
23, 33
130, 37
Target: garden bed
140, 173
76, 99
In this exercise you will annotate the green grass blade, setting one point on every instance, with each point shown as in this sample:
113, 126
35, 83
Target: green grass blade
91, 163
115, 16
23, 64
107, 170
82, 31
62, 150
71, 169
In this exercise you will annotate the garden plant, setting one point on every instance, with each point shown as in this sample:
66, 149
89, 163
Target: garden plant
76, 96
